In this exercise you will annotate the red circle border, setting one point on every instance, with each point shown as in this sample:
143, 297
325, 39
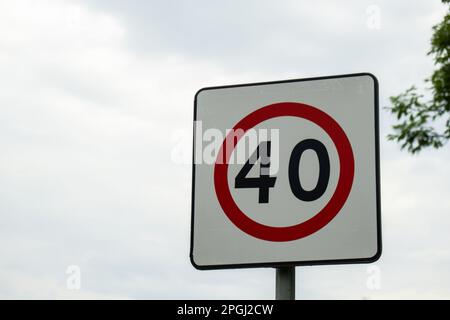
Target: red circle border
323, 217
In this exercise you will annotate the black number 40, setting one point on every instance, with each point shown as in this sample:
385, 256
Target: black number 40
264, 182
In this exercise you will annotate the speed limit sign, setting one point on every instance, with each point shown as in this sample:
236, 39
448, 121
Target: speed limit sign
286, 173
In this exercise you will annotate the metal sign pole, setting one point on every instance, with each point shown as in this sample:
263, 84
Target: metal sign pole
285, 283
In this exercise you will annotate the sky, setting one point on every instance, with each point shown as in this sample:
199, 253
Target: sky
96, 105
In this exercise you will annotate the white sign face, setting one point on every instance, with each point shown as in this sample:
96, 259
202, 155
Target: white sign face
286, 173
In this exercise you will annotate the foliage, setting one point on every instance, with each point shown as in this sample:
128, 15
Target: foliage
419, 122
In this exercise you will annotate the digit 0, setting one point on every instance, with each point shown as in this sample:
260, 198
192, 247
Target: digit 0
324, 170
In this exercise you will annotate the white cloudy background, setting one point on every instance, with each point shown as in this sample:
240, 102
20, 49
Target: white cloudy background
95, 106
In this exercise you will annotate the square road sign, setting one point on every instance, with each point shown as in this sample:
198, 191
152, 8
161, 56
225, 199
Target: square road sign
286, 173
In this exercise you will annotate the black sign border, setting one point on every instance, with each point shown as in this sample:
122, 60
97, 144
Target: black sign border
296, 263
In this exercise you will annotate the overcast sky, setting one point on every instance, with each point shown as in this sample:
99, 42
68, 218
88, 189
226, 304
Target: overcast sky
95, 135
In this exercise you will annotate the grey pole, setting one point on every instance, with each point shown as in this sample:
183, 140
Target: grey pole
285, 283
